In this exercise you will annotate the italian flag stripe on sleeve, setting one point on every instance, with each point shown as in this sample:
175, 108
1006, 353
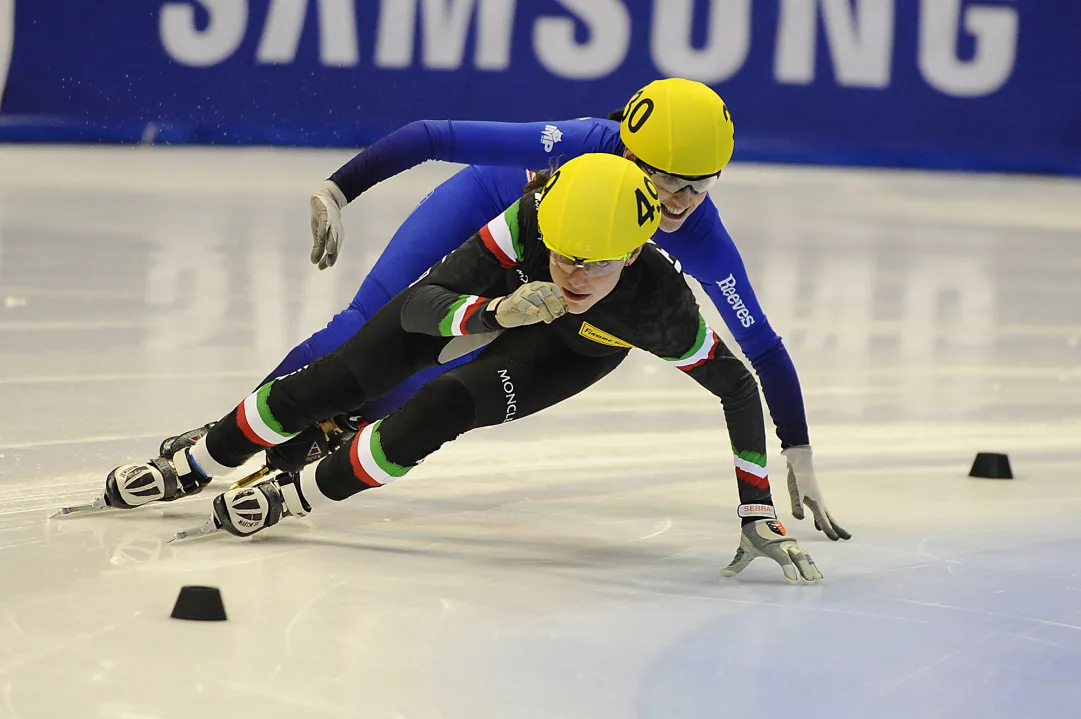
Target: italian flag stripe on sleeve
462, 309
257, 423
751, 468
703, 349
500, 236
369, 463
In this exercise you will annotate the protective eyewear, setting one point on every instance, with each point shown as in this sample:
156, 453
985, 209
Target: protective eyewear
592, 268
677, 183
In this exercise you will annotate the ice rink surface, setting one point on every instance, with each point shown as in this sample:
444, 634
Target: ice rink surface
565, 565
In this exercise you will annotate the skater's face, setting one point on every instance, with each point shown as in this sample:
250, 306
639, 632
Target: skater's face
585, 284
676, 206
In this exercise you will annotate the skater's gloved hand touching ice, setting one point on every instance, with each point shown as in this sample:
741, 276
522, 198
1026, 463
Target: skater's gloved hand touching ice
327, 233
803, 490
767, 538
531, 303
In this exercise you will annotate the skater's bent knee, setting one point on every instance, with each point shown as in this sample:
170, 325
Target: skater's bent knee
439, 412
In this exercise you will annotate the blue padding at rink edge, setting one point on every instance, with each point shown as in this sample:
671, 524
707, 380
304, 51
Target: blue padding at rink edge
747, 150
987, 85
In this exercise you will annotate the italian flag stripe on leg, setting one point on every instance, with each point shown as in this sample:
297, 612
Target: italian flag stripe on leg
500, 236
751, 456
370, 465
256, 421
751, 468
462, 309
245, 426
703, 349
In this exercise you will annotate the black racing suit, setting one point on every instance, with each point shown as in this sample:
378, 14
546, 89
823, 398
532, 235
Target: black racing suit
522, 371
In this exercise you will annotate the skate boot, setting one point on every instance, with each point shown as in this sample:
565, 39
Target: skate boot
172, 445
160, 479
247, 510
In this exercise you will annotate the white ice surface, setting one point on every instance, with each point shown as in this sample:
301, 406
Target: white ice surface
565, 565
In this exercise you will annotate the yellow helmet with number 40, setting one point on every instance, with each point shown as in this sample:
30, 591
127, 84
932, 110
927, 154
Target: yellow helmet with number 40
680, 127
598, 207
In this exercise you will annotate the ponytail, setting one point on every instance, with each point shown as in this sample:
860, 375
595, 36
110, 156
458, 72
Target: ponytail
539, 180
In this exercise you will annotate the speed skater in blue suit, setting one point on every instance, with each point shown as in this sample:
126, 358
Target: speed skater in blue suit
656, 129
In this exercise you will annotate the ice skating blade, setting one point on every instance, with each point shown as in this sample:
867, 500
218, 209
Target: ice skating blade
208, 527
97, 505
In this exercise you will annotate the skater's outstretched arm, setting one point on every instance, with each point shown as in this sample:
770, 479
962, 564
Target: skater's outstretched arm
509, 144
670, 325
710, 363
707, 252
532, 145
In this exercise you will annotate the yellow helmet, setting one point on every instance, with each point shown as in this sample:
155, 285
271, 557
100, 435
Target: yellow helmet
680, 127
598, 207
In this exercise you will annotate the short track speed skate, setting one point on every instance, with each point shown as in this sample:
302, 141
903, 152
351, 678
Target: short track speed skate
173, 475
272, 492
165, 478
253, 505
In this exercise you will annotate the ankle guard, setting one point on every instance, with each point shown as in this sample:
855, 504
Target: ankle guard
311, 445
189, 478
172, 445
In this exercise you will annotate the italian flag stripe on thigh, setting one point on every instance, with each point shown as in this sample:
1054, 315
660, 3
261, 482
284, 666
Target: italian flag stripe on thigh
257, 423
500, 236
704, 348
369, 463
453, 323
751, 468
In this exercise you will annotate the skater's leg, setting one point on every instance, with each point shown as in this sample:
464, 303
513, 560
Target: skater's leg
361, 464
379, 356
372, 362
520, 373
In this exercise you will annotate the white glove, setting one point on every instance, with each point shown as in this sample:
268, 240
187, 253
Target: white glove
327, 233
767, 538
803, 489
531, 303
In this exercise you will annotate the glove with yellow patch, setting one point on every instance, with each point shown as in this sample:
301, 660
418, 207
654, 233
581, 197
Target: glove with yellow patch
767, 538
531, 303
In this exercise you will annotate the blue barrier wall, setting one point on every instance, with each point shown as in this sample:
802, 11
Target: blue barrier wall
968, 84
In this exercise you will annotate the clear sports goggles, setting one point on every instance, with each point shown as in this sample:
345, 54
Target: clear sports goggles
677, 183
592, 268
